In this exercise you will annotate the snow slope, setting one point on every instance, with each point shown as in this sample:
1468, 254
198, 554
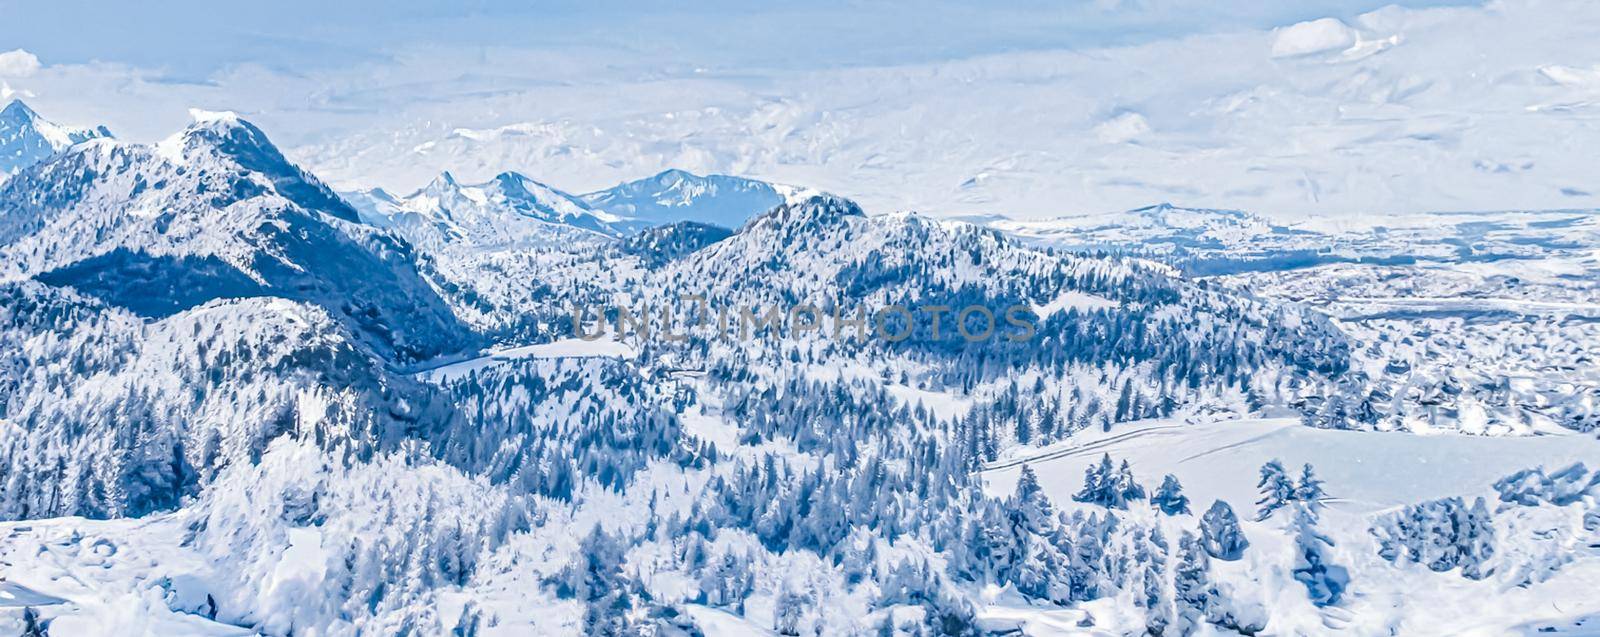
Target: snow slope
1546, 563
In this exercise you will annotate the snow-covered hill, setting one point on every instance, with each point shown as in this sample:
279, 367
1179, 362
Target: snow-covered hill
109, 415
27, 139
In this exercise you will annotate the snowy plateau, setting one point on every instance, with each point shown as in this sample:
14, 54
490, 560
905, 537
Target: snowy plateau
234, 401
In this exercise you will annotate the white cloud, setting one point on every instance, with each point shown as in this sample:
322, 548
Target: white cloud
1310, 37
6, 92
18, 63
1122, 129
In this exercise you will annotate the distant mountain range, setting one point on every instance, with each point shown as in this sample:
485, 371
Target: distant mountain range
675, 195
1209, 241
509, 209
669, 197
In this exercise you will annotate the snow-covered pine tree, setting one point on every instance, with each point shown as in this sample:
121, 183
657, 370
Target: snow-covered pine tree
595, 578
1191, 583
1127, 489
1097, 481
1109, 485
1325, 582
1169, 498
794, 610
1029, 505
1220, 534
1276, 488
1478, 541
1157, 597
1441, 534
950, 615
31, 626
1309, 489
727, 583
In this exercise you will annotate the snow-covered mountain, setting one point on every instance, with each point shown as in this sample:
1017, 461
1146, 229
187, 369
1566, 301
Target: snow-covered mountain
676, 195
108, 414
27, 139
509, 209
214, 211
1162, 227
1207, 242
504, 252
234, 403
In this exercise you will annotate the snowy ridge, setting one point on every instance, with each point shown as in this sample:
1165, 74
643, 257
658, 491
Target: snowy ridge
509, 210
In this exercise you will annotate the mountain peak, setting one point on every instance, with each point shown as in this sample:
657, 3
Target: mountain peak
513, 183
26, 138
226, 131
675, 175
441, 183
214, 118
225, 137
17, 111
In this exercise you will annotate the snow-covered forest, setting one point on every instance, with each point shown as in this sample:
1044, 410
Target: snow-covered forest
234, 401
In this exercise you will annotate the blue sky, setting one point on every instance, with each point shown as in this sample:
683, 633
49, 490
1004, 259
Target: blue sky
1029, 109
190, 40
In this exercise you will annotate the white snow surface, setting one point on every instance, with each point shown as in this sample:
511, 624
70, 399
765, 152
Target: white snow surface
563, 348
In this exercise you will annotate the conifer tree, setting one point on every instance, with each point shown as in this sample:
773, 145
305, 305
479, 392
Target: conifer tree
1277, 490
1325, 582
1309, 489
1169, 498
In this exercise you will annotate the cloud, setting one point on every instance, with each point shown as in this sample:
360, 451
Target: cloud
6, 92
1122, 129
1310, 37
18, 63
